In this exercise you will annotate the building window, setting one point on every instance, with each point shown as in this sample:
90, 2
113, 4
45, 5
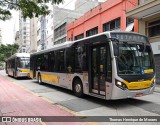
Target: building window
52, 28
60, 31
38, 42
92, 31
129, 24
24, 28
59, 61
38, 32
24, 50
60, 41
79, 36
112, 25
154, 28
24, 33
129, 21
24, 20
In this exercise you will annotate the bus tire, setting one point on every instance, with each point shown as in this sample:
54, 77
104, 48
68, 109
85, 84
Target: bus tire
78, 88
39, 79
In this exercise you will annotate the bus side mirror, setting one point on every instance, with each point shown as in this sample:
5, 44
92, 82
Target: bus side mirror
116, 49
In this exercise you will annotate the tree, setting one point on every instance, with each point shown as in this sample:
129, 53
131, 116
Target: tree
29, 8
7, 50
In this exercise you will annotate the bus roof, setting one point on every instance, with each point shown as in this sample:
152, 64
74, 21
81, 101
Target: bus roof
107, 34
19, 55
58, 46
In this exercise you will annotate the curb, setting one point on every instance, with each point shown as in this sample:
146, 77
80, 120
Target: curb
158, 91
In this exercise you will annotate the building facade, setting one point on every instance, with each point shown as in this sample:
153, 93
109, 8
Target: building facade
38, 30
51, 29
24, 34
67, 16
33, 34
107, 16
43, 32
148, 14
53, 26
17, 38
61, 18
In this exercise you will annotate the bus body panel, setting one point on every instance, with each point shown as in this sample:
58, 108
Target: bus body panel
122, 94
31, 74
113, 88
138, 85
64, 80
10, 72
12, 68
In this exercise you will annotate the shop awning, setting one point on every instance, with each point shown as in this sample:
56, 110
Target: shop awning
145, 10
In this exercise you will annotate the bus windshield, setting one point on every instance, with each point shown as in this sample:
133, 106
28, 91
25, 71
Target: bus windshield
134, 59
23, 62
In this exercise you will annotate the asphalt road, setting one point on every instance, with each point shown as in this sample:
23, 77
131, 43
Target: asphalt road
90, 106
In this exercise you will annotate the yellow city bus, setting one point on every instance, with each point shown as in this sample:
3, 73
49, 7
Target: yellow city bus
18, 65
109, 65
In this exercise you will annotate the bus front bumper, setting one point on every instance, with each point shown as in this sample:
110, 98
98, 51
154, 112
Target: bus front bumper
121, 94
21, 74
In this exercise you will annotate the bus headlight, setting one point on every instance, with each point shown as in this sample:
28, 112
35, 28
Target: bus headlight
120, 85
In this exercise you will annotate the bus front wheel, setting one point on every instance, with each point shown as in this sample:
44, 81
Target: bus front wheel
39, 79
78, 88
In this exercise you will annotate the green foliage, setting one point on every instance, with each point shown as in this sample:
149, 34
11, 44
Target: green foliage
7, 50
29, 8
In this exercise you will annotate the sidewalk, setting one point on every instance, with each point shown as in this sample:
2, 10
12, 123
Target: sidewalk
16, 101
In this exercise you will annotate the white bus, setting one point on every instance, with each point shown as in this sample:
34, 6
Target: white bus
18, 65
109, 65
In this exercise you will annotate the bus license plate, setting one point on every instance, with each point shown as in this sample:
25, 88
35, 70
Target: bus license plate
139, 94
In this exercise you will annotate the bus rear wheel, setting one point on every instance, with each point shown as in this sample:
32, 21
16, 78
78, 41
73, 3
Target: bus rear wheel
78, 88
39, 79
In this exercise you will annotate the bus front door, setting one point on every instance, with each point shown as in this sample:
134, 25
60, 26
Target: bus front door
97, 70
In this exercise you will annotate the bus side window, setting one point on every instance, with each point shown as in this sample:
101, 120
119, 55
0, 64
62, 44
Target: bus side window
45, 62
42, 65
77, 59
51, 61
70, 59
38, 61
59, 62
82, 58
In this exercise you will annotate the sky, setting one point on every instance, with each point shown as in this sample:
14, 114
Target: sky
10, 27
